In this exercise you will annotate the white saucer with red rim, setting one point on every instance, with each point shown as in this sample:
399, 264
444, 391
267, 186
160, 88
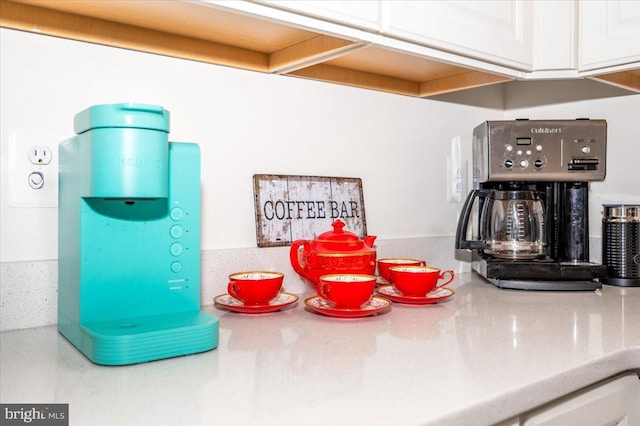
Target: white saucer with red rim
390, 292
229, 302
321, 305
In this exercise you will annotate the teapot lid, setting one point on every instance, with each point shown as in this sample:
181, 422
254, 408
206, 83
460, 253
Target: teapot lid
338, 234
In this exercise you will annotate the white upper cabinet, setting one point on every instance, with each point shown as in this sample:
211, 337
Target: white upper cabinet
554, 36
609, 33
495, 31
360, 14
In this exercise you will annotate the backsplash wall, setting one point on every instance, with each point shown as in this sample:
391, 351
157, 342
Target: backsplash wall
245, 123
248, 123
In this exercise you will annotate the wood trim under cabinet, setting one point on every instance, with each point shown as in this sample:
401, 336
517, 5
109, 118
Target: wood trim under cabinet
303, 58
309, 52
460, 81
51, 22
629, 80
357, 78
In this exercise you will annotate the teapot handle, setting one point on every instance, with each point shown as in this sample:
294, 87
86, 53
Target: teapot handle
294, 256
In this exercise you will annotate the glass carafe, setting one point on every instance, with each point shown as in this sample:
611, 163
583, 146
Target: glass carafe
513, 225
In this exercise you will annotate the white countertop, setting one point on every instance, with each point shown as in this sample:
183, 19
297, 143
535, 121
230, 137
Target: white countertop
483, 356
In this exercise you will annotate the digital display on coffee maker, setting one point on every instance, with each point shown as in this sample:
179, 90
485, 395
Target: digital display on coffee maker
523, 141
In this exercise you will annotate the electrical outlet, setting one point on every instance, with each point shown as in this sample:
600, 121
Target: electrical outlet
32, 169
40, 155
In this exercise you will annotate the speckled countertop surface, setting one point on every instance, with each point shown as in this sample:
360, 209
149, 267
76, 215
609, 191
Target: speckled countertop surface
483, 356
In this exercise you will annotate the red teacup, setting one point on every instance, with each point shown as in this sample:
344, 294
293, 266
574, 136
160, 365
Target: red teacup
386, 263
418, 281
255, 287
348, 291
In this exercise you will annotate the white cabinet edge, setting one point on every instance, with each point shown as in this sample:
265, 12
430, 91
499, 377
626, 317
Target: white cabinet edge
292, 19
466, 58
337, 11
342, 31
520, 56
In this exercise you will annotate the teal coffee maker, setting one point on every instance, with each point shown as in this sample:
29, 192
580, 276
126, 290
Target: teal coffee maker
129, 239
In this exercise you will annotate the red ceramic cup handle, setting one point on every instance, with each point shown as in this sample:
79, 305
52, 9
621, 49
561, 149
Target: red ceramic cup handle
231, 288
324, 290
442, 274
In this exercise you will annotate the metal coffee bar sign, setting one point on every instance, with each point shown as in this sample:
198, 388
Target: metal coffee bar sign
289, 208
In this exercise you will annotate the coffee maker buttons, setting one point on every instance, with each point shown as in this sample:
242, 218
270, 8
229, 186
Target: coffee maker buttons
524, 163
176, 266
176, 249
538, 164
585, 149
538, 148
508, 164
176, 231
176, 213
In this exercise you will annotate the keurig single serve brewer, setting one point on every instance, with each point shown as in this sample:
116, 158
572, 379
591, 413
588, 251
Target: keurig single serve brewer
526, 220
129, 239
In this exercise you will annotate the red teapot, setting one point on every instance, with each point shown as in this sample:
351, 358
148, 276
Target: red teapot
333, 252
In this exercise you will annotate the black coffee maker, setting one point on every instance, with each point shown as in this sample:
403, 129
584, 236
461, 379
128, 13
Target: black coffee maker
527, 219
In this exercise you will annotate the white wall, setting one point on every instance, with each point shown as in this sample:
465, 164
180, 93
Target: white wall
245, 123
249, 123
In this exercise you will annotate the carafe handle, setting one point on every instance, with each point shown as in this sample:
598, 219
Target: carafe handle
463, 222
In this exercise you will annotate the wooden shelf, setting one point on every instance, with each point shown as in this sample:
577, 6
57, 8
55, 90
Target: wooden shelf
202, 32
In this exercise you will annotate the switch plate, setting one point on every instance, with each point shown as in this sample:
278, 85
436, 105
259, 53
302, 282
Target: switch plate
456, 173
32, 169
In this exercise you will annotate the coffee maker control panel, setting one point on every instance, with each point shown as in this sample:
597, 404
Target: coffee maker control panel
540, 150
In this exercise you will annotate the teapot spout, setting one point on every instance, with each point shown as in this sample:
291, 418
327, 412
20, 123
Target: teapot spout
369, 239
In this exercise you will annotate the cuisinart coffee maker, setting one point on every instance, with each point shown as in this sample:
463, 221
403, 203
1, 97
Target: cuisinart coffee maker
129, 239
528, 210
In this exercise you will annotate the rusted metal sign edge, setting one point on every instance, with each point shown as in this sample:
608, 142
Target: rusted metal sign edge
290, 208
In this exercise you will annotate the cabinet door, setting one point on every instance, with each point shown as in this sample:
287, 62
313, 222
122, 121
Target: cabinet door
362, 14
496, 31
613, 403
609, 33
554, 29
